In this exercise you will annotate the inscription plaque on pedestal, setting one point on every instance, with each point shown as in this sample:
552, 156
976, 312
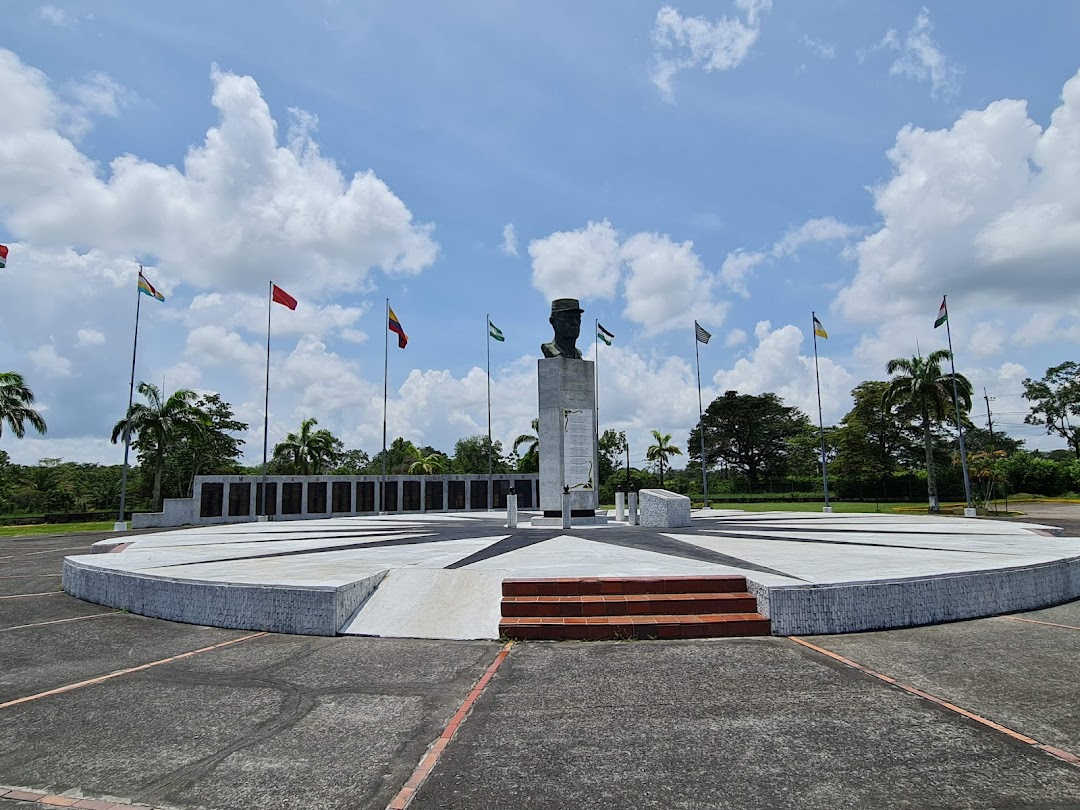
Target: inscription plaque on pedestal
579, 451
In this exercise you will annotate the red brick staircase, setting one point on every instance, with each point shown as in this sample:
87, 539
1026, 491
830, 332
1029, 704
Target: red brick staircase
629, 607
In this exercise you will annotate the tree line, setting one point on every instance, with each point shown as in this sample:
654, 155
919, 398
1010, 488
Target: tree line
898, 437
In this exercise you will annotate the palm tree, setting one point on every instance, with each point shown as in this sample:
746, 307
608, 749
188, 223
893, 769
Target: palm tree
15, 401
528, 458
426, 464
158, 423
920, 383
311, 451
660, 451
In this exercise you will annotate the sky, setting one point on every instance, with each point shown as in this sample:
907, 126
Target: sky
737, 162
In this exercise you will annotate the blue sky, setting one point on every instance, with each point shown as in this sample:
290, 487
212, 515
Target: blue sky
737, 162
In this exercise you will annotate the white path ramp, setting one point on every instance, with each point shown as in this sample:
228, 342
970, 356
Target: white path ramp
432, 603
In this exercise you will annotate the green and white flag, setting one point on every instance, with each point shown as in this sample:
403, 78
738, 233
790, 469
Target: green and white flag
942, 315
495, 332
604, 334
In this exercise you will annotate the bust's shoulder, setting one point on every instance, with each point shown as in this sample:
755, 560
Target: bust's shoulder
550, 349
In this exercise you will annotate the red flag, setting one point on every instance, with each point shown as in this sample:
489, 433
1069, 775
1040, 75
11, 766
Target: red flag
282, 297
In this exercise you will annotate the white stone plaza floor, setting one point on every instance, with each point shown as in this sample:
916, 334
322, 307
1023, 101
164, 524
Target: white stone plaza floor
440, 575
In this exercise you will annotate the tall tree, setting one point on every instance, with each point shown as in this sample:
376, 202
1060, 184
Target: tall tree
612, 445
471, 456
156, 425
1055, 401
662, 451
749, 433
308, 451
427, 461
211, 449
874, 438
921, 383
530, 459
15, 401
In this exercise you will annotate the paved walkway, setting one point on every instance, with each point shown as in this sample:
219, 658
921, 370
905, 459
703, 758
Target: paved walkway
105, 706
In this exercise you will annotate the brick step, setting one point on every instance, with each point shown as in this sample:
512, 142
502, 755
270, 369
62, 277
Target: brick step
629, 604
594, 628
599, 586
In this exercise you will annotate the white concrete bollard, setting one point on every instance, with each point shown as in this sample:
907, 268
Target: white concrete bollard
119, 526
970, 512
826, 509
566, 510
511, 510
620, 506
632, 515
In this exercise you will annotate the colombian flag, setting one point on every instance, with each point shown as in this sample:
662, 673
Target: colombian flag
394, 326
147, 288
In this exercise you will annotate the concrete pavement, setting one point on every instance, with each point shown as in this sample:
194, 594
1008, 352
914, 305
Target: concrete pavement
194, 717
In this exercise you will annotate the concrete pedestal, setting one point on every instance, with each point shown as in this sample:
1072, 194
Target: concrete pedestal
568, 446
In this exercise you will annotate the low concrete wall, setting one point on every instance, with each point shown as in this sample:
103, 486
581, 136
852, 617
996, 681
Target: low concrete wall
314, 611
218, 507
884, 604
175, 512
663, 509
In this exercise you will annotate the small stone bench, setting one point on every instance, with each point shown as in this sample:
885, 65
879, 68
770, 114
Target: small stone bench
663, 509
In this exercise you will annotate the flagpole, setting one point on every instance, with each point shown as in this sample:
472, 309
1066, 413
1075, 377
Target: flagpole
121, 524
386, 374
821, 419
266, 400
701, 421
956, 408
490, 494
596, 402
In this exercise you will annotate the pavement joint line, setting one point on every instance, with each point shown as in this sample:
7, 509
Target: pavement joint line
35, 798
1058, 753
431, 757
43, 551
24, 595
1036, 621
60, 621
129, 670
30, 576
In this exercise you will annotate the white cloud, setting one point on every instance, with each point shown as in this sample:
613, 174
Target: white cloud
509, 242
822, 49
577, 264
663, 282
739, 265
49, 361
89, 337
667, 285
921, 58
682, 43
776, 364
57, 16
95, 96
736, 337
988, 209
240, 208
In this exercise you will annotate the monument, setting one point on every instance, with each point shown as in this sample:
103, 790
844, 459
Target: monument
568, 442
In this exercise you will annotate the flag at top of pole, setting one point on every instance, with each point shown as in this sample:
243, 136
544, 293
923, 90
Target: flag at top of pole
3, 256
146, 288
702, 335
495, 332
942, 315
604, 334
394, 325
819, 330
279, 296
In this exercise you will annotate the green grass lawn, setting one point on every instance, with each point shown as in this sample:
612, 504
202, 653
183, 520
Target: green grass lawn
787, 506
55, 528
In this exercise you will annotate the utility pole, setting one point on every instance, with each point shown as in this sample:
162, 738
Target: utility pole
993, 447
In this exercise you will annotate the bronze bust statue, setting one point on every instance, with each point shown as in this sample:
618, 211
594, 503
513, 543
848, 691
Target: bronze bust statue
566, 320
